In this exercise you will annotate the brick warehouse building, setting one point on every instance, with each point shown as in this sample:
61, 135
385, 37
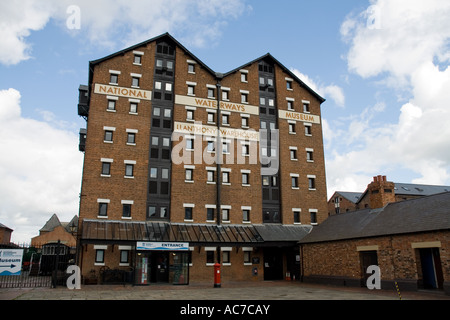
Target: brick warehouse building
172, 183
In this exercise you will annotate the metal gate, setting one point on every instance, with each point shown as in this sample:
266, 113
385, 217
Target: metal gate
43, 266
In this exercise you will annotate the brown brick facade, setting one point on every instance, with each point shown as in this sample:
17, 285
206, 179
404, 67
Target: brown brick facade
112, 190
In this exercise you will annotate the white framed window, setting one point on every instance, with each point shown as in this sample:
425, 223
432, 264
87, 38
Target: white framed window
225, 211
246, 214
137, 59
103, 208
313, 216
306, 108
309, 155
311, 182
294, 181
308, 129
191, 88
244, 96
293, 153
114, 77
244, 75
297, 214
226, 94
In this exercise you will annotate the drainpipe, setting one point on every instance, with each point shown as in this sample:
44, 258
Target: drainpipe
219, 158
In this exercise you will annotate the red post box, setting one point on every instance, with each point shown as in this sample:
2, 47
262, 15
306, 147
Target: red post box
217, 275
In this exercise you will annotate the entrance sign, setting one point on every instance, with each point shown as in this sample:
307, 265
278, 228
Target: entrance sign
163, 246
10, 262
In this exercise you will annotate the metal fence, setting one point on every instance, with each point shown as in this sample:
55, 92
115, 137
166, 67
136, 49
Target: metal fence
43, 266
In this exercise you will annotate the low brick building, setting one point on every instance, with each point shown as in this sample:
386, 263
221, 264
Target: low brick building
408, 240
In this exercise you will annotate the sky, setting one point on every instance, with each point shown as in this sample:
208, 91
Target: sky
381, 65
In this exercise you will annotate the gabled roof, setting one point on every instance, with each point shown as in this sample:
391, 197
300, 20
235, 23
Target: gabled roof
54, 222
430, 213
5, 227
51, 224
350, 196
218, 75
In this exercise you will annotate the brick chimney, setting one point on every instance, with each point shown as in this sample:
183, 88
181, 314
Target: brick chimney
381, 192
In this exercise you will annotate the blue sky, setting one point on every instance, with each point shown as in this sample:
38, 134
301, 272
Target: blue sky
382, 66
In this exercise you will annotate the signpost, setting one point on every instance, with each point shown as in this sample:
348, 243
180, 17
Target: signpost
10, 262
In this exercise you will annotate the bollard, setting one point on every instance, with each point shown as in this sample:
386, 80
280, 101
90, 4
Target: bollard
217, 283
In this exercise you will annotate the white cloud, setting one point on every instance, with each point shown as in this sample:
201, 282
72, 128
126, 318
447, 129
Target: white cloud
40, 170
115, 23
406, 46
331, 91
17, 19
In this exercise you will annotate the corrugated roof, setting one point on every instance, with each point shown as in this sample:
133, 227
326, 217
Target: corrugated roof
429, 213
196, 234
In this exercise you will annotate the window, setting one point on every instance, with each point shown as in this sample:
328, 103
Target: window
294, 182
245, 121
210, 257
124, 256
133, 108
293, 153
103, 207
306, 107
189, 175
247, 257
225, 214
188, 213
313, 213
114, 77
225, 94
129, 168
226, 177
244, 76
211, 93
246, 214
225, 147
244, 97
131, 138
312, 182
191, 68
191, 90
296, 213
290, 105
190, 115
154, 173
106, 168
211, 117
309, 155
225, 119
210, 214
108, 136
211, 148
289, 85
245, 149
210, 176
111, 105
126, 210
245, 178
135, 82
100, 256
189, 143
291, 128
226, 257
137, 59
308, 129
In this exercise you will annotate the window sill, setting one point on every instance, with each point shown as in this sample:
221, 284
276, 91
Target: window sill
99, 264
102, 217
128, 177
189, 181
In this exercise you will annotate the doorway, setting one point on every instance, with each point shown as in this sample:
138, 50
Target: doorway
159, 273
273, 264
430, 260
368, 258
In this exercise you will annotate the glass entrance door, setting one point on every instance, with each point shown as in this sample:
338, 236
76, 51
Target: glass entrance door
142, 269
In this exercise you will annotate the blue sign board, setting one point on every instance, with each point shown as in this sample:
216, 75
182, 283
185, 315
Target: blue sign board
10, 262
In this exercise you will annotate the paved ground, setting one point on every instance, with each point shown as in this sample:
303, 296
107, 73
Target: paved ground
276, 290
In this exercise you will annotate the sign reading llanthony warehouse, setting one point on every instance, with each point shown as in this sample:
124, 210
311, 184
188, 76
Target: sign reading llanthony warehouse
163, 246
